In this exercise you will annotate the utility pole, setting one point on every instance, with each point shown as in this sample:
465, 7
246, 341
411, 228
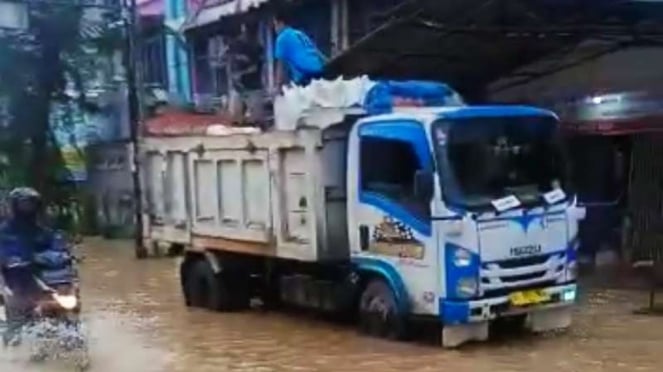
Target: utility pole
132, 56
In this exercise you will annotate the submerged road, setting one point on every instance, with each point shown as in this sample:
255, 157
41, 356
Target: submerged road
137, 323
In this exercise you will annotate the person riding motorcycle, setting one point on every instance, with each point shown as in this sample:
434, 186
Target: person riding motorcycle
24, 239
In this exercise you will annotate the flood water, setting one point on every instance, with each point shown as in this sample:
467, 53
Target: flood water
137, 323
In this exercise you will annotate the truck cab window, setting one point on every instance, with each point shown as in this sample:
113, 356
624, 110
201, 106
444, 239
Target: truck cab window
388, 167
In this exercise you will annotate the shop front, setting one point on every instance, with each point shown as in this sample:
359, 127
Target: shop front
616, 142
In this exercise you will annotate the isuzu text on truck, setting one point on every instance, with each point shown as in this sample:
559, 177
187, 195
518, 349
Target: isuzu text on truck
457, 214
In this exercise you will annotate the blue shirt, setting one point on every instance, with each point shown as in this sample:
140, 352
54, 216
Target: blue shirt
46, 251
298, 53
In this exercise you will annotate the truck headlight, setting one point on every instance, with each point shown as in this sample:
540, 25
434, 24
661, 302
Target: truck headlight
569, 295
467, 287
462, 257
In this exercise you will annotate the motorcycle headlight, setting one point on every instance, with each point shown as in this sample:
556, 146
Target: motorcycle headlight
67, 302
467, 287
462, 257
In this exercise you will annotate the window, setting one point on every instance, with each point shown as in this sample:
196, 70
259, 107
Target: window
209, 67
154, 61
202, 70
388, 167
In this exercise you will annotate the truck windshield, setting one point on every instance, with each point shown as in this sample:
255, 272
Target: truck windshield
487, 159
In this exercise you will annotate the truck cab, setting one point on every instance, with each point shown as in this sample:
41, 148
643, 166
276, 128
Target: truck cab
466, 214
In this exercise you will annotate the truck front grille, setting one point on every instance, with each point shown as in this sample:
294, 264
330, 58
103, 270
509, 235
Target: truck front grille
520, 262
522, 273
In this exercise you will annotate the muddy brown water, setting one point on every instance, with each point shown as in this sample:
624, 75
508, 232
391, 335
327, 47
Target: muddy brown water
137, 323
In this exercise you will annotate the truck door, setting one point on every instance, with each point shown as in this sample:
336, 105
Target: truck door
390, 228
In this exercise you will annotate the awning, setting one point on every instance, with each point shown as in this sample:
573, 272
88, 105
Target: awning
465, 43
208, 15
614, 113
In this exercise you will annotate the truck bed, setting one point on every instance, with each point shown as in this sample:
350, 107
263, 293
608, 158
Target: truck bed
278, 194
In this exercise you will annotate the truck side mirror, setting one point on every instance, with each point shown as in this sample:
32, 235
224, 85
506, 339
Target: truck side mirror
423, 185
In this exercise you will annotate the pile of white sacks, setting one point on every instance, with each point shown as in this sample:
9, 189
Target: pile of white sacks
321, 94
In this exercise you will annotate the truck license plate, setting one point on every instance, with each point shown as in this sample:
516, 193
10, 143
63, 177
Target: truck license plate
528, 298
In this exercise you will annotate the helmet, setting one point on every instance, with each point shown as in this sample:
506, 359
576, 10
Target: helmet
25, 201
24, 193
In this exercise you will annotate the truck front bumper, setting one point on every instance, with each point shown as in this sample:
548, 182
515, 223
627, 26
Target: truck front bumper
465, 321
472, 311
469, 320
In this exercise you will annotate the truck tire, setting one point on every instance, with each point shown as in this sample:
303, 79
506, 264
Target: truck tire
379, 315
185, 267
238, 288
195, 284
217, 292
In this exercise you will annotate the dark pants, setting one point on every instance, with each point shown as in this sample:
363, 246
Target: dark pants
18, 312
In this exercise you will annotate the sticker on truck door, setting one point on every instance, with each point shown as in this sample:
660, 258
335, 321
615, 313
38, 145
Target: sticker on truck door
393, 238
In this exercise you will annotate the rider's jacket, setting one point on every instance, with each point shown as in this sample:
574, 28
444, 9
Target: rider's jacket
46, 251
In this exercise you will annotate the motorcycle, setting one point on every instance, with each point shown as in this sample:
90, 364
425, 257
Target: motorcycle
50, 320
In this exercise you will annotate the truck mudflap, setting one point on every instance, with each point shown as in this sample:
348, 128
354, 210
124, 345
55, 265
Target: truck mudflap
469, 320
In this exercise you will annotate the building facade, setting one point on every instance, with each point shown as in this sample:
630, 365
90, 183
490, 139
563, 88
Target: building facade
211, 25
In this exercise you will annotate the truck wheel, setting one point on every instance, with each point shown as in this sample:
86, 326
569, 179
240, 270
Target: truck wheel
239, 289
222, 292
195, 284
184, 280
378, 313
208, 291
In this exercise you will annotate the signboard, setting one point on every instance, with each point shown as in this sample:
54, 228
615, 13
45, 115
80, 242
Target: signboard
613, 106
13, 15
613, 113
71, 126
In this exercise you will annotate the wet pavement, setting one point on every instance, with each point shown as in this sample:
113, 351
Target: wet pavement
137, 323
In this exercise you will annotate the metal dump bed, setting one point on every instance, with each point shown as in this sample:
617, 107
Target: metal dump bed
279, 193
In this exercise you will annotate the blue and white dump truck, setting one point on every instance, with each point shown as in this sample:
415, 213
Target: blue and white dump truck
387, 200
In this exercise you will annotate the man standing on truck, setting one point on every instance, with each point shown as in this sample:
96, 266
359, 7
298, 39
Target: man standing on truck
247, 62
296, 52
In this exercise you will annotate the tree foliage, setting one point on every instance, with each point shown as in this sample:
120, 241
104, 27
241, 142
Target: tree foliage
35, 66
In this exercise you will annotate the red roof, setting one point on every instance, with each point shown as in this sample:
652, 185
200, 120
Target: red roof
176, 123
